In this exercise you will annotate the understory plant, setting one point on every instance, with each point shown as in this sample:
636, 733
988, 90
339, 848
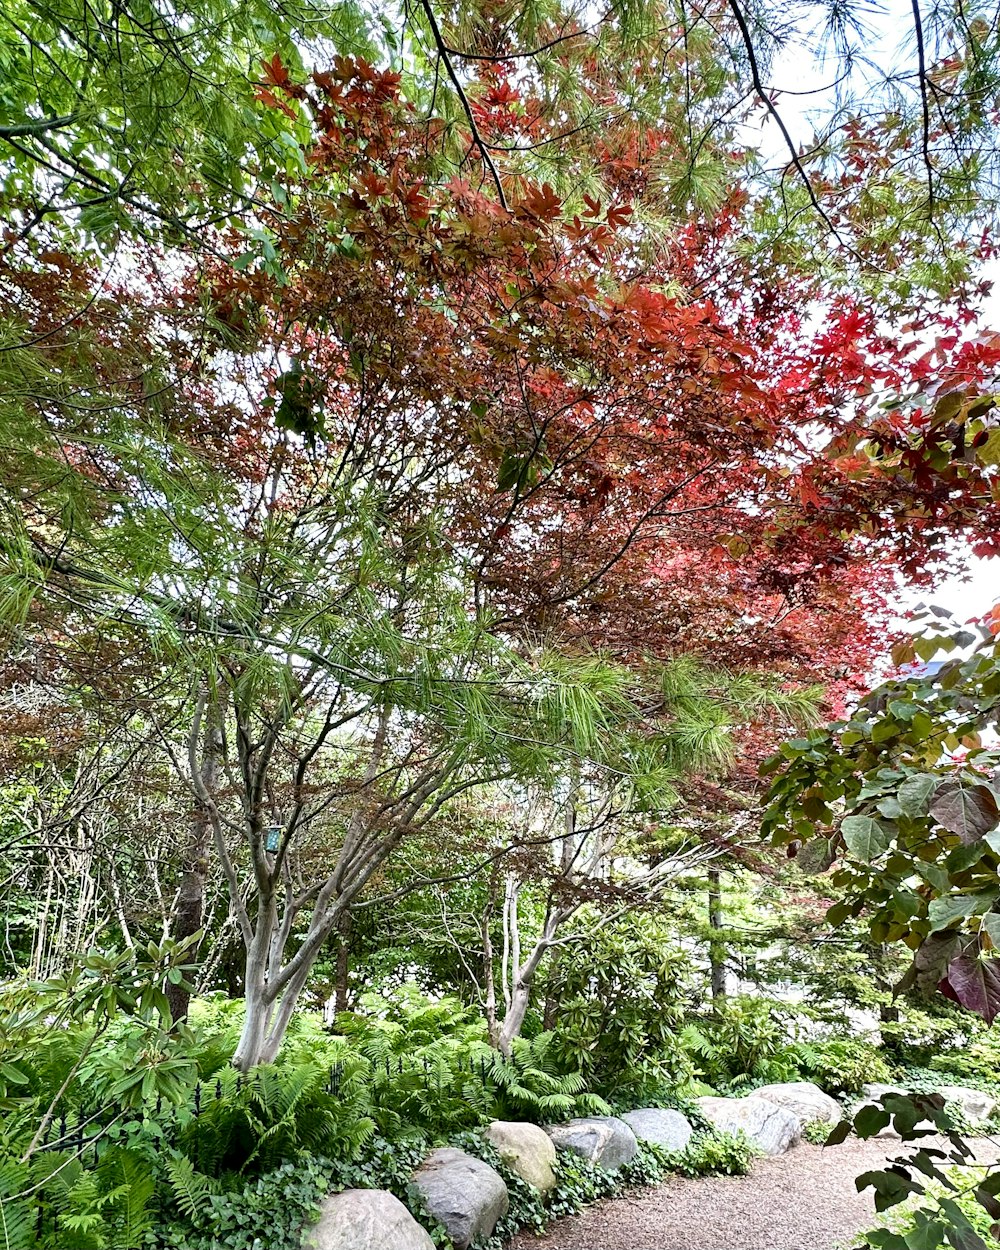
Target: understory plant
743, 1041
946, 1214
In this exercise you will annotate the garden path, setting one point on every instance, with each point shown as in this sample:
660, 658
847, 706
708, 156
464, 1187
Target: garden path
802, 1200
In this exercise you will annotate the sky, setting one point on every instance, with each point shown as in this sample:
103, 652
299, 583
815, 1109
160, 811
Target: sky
797, 72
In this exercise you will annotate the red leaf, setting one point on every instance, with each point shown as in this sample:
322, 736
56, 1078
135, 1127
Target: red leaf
542, 203
970, 811
974, 981
275, 72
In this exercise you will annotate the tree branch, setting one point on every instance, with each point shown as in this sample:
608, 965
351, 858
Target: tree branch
444, 54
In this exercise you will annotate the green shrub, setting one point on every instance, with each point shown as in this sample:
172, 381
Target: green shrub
578, 1183
266, 1213
841, 1065
922, 1032
621, 1008
976, 1064
251, 1124
430, 1067
816, 1131
744, 1041
404, 1019
715, 1154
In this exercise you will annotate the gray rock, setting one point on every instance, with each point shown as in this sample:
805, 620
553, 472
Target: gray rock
603, 1139
661, 1126
803, 1099
771, 1128
527, 1150
465, 1194
365, 1219
872, 1092
873, 1095
976, 1105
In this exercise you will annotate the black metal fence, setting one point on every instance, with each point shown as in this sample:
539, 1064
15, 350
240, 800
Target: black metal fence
80, 1130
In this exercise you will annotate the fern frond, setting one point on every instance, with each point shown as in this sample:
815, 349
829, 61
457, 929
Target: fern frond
17, 1227
192, 1190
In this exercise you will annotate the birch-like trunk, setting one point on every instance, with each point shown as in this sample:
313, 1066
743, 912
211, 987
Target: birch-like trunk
190, 905
518, 974
716, 950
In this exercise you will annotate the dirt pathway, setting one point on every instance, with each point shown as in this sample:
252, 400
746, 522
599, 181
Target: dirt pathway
802, 1200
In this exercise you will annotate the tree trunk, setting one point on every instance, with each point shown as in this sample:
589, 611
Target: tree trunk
517, 998
716, 949
513, 1020
341, 1001
551, 1008
272, 988
190, 906
251, 1047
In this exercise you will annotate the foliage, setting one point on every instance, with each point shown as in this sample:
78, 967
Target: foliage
954, 1217
251, 1124
621, 1002
715, 1154
925, 1027
975, 1064
904, 793
743, 1040
816, 1132
503, 470
431, 1066
841, 1065
925, 1174
270, 1210
139, 117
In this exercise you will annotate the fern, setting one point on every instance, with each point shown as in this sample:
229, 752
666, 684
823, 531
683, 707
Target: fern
131, 1215
192, 1190
17, 1230
254, 1124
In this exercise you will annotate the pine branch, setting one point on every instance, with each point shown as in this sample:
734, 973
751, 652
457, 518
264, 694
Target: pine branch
444, 54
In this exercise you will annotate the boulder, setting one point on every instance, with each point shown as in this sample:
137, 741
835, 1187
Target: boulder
365, 1219
873, 1092
603, 1139
976, 1105
463, 1192
803, 1099
527, 1150
771, 1128
660, 1126
873, 1095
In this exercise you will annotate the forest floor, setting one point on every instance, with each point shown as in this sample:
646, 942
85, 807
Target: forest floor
803, 1200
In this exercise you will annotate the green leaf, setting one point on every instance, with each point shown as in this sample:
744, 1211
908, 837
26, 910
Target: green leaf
915, 794
509, 473
926, 1235
942, 911
991, 923
839, 1133
864, 837
869, 1121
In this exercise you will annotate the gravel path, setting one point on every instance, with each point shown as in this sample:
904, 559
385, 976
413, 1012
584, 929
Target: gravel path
802, 1200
